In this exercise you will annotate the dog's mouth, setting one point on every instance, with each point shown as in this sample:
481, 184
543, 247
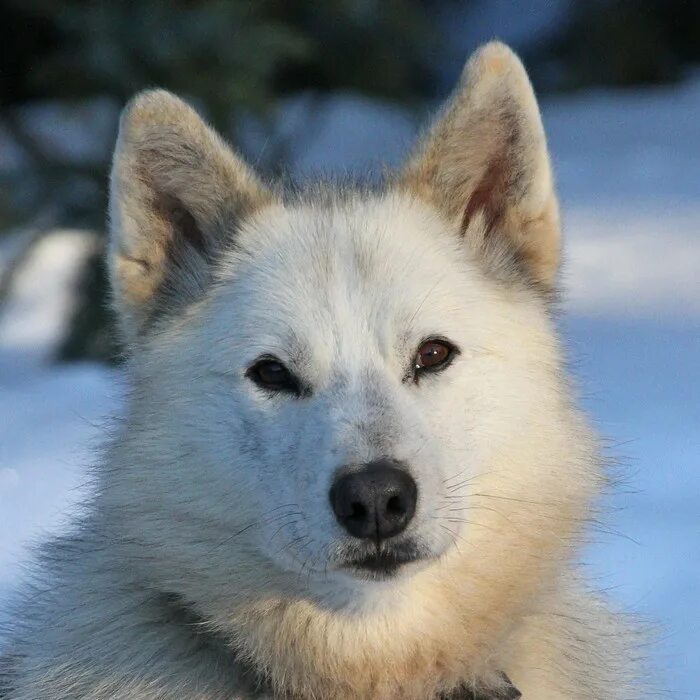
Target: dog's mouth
383, 561
381, 565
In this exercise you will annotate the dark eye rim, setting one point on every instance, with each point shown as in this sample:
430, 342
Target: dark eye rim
291, 385
418, 371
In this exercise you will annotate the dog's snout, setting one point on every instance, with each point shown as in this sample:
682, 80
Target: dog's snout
375, 502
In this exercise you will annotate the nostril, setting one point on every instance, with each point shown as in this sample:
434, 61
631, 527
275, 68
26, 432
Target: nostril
353, 504
395, 506
358, 511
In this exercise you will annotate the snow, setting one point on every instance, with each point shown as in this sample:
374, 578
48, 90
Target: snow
42, 296
628, 166
50, 415
614, 261
51, 423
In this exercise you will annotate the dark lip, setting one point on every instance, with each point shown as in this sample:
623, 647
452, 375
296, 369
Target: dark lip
382, 564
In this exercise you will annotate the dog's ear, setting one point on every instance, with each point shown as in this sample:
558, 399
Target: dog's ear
485, 165
177, 193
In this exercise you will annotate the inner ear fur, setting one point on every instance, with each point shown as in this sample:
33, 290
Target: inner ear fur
484, 164
177, 193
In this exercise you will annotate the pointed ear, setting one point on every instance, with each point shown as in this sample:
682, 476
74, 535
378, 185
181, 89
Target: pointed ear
177, 194
485, 165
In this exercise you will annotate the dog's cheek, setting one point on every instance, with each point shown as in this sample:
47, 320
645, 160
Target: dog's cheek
289, 467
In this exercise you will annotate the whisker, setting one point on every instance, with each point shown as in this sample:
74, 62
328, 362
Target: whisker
465, 521
460, 485
283, 526
515, 500
425, 298
453, 537
256, 522
454, 476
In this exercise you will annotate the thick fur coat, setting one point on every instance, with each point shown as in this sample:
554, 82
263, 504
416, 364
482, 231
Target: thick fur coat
210, 565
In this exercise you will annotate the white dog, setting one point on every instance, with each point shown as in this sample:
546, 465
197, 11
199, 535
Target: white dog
350, 464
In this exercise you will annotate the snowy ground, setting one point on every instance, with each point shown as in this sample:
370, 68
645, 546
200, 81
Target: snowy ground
628, 165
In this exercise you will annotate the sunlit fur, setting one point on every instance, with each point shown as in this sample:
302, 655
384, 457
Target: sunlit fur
210, 565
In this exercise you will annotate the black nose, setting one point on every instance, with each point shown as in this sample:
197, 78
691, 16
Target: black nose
375, 502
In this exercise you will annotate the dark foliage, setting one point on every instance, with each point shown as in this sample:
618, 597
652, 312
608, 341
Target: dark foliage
236, 57
620, 43
229, 56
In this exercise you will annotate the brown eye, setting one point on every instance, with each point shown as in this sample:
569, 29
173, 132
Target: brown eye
270, 373
433, 355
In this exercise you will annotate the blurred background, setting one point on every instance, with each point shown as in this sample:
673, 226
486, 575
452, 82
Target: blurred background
305, 88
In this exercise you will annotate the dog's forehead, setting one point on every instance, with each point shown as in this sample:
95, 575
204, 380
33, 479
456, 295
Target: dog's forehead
352, 265
352, 246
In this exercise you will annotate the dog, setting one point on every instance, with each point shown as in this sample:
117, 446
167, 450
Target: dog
351, 463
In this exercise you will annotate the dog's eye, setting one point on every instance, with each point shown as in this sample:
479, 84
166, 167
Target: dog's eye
270, 373
433, 355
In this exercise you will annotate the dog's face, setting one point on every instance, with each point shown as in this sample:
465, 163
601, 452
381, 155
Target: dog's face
346, 343
323, 380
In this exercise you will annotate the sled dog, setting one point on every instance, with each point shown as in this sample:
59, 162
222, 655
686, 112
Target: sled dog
350, 464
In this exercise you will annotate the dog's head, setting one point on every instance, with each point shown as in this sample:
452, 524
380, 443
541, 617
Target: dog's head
338, 390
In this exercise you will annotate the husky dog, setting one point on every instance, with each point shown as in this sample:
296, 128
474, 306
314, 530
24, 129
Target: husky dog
350, 465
